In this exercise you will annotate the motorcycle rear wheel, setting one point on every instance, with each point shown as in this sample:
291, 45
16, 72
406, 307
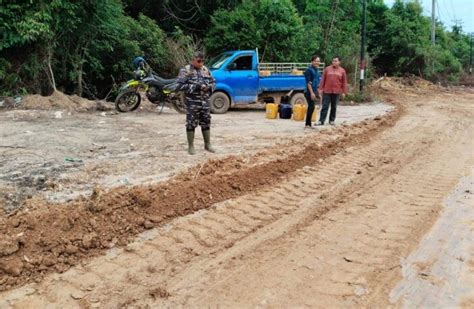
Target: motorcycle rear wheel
180, 104
127, 101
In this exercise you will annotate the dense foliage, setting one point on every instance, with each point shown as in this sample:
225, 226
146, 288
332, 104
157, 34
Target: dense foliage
86, 47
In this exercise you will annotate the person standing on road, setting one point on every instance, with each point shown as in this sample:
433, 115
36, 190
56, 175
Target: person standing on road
312, 78
333, 85
198, 84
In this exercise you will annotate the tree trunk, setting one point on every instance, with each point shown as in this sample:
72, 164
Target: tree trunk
355, 74
64, 70
79, 67
327, 35
50, 69
80, 87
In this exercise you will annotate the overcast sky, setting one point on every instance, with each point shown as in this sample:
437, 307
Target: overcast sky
449, 10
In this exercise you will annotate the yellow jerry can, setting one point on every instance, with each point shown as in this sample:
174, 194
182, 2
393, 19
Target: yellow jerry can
315, 114
271, 111
299, 112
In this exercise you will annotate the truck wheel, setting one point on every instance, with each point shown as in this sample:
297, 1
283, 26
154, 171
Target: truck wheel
219, 103
298, 98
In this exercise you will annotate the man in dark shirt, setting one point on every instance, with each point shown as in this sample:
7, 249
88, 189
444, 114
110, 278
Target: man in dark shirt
333, 85
312, 77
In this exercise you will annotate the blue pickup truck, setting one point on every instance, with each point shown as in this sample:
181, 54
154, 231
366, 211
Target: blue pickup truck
240, 79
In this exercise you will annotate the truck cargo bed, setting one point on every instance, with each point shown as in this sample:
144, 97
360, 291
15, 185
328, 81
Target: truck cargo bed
281, 83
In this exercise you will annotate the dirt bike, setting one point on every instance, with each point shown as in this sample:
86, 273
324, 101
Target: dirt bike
157, 90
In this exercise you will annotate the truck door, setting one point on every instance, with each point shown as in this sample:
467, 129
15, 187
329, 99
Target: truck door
243, 79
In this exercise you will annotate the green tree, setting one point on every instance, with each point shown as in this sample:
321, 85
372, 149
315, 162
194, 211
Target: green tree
400, 43
280, 30
26, 28
121, 39
83, 47
273, 26
459, 44
377, 21
192, 16
236, 29
74, 46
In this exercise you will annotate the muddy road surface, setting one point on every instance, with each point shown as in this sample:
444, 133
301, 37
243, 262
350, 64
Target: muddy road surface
372, 214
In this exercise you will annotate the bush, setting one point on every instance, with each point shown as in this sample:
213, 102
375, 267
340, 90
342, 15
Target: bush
441, 65
180, 48
359, 97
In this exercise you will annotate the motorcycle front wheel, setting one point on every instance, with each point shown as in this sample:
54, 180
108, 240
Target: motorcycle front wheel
127, 101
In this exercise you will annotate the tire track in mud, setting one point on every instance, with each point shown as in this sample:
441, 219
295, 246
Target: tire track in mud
443, 257
350, 272
420, 201
56, 237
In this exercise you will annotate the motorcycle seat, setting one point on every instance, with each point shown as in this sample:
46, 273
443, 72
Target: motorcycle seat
163, 82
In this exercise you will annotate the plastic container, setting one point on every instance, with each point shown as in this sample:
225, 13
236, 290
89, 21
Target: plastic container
315, 114
285, 111
271, 111
299, 112
297, 72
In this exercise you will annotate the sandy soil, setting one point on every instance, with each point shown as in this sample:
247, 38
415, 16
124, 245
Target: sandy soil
356, 216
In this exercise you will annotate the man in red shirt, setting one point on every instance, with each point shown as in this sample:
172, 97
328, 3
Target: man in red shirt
332, 86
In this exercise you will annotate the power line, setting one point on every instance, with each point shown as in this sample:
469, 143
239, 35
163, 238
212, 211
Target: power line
456, 21
447, 10
452, 7
440, 16
452, 13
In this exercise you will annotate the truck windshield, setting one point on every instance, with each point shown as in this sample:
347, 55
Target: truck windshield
217, 62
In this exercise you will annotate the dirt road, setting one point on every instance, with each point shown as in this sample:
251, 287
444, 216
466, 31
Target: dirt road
342, 228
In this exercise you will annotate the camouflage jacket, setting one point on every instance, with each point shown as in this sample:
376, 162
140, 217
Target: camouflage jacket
198, 85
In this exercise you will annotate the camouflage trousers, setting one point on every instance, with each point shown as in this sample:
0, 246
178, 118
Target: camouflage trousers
197, 113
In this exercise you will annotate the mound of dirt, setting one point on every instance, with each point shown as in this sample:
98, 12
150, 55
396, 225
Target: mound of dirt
53, 237
59, 100
467, 80
399, 85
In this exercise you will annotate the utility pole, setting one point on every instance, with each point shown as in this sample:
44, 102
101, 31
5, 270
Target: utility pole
433, 22
362, 44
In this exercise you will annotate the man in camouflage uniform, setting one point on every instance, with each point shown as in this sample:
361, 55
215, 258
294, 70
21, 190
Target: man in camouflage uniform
198, 84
